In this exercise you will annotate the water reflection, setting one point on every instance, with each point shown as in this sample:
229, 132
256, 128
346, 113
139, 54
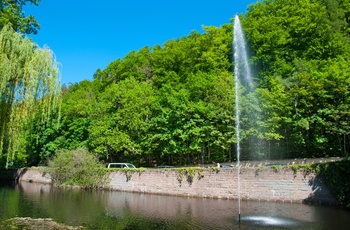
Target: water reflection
268, 221
119, 210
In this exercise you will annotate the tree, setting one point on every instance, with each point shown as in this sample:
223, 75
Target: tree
301, 48
77, 167
77, 107
175, 102
29, 88
119, 119
11, 13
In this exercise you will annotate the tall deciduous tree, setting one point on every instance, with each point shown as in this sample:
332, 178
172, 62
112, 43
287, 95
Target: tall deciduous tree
301, 48
29, 87
11, 12
119, 119
175, 102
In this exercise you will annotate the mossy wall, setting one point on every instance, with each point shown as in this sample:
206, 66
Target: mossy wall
323, 183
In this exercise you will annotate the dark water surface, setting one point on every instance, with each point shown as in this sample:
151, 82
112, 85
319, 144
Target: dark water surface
119, 210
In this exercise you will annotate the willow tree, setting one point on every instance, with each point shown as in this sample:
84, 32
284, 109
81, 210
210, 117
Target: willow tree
29, 88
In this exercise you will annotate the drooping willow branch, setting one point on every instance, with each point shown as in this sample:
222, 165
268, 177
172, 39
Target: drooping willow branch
29, 85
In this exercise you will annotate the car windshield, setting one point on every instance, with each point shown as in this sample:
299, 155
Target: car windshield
130, 166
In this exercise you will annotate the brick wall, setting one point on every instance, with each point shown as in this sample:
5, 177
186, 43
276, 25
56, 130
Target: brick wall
256, 184
264, 184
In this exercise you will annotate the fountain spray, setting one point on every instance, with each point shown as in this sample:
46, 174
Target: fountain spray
241, 70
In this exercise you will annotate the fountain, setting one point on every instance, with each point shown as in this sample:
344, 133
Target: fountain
241, 70
244, 82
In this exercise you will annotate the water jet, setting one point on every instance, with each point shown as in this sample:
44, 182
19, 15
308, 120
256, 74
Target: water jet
241, 70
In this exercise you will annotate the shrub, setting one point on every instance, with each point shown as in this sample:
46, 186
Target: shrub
336, 176
77, 167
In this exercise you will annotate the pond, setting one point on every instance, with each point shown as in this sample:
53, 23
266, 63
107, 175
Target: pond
120, 210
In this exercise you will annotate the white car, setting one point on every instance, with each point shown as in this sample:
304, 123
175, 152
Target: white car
121, 165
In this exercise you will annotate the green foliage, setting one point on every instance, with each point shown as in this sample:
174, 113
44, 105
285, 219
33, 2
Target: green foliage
335, 175
190, 173
120, 119
77, 167
174, 104
295, 168
275, 168
259, 169
301, 56
11, 12
128, 171
30, 94
79, 103
304, 168
167, 101
42, 140
214, 169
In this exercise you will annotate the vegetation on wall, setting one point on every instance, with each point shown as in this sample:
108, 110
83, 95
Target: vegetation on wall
335, 175
189, 173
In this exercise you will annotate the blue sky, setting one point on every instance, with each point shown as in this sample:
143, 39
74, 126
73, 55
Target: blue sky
86, 35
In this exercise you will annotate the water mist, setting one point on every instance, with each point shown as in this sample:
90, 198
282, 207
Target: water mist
242, 72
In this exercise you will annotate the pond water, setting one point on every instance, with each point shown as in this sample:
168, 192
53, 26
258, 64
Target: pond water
120, 210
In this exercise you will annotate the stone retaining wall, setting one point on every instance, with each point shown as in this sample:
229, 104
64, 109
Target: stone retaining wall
264, 184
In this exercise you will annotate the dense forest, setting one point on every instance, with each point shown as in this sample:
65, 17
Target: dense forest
174, 103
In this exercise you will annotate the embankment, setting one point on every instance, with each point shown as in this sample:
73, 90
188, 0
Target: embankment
263, 184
